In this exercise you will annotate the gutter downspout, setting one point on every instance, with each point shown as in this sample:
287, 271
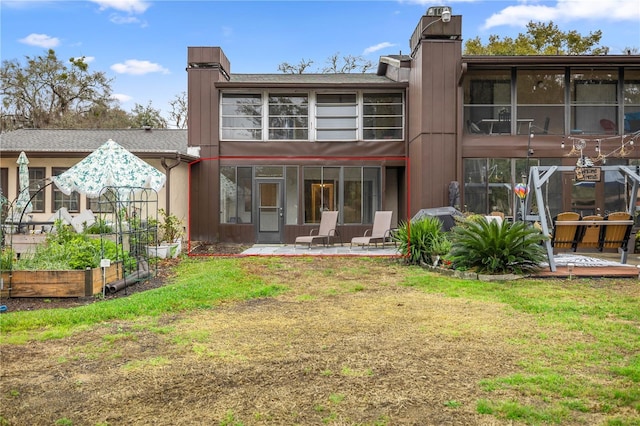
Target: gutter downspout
167, 169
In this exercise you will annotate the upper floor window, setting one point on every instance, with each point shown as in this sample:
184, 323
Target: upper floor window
70, 202
288, 117
242, 116
631, 100
302, 116
382, 116
487, 99
569, 100
594, 96
540, 95
336, 116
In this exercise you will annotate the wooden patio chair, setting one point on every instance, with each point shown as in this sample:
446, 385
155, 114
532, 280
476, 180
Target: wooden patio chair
565, 236
616, 236
380, 233
323, 233
590, 233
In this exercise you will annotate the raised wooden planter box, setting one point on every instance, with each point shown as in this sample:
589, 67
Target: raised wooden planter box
26, 243
58, 283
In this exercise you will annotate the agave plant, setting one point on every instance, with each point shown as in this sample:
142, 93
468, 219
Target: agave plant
492, 248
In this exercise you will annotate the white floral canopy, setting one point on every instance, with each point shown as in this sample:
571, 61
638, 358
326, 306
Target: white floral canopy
109, 166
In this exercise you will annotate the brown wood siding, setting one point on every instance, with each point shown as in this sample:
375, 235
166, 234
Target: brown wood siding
205, 198
433, 123
203, 131
310, 150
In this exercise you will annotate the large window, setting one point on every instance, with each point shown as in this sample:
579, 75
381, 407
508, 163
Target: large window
382, 116
241, 116
336, 117
594, 101
235, 194
631, 100
540, 95
288, 117
70, 202
487, 101
273, 116
555, 101
355, 191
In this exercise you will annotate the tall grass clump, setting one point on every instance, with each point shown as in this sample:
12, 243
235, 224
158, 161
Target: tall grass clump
422, 240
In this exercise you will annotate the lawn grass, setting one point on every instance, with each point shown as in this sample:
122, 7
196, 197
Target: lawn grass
598, 370
583, 358
200, 285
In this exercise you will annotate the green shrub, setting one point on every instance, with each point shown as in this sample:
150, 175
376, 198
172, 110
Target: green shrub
492, 248
421, 240
100, 226
66, 250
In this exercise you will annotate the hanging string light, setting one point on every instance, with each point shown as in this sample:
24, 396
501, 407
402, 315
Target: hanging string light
579, 146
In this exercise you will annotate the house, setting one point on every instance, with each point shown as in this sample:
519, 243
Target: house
52, 151
265, 154
278, 149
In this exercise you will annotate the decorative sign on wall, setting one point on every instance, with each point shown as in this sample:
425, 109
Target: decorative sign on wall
588, 174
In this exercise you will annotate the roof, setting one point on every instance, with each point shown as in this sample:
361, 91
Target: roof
601, 61
305, 80
70, 142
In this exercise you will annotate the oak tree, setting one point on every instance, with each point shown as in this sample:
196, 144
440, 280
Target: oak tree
46, 92
540, 39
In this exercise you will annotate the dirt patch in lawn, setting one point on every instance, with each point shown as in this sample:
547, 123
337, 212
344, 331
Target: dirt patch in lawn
345, 345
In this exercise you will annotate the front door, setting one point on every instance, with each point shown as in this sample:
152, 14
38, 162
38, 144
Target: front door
270, 211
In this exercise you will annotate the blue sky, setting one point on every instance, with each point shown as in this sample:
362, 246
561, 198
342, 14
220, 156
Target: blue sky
142, 45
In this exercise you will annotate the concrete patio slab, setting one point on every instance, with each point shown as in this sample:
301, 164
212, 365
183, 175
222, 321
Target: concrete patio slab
319, 250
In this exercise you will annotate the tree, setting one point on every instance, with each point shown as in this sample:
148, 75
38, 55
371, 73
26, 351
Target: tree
179, 109
335, 65
45, 92
346, 64
147, 117
98, 117
287, 68
540, 39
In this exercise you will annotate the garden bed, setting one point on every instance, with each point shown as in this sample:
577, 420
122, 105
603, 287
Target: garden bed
73, 283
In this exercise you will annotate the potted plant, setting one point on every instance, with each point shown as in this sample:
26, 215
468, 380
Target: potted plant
170, 232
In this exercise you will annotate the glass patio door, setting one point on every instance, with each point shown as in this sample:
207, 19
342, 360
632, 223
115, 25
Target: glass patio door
270, 211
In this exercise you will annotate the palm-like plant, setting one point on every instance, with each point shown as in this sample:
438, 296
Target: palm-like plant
492, 248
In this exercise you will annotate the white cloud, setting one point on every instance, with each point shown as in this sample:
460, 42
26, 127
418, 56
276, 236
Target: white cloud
379, 46
566, 11
120, 19
122, 98
40, 40
129, 6
136, 67
227, 31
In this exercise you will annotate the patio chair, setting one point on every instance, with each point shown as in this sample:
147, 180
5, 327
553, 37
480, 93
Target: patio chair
616, 236
565, 236
504, 122
323, 233
590, 237
380, 233
608, 126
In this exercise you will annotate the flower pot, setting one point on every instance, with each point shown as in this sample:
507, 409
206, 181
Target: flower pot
161, 251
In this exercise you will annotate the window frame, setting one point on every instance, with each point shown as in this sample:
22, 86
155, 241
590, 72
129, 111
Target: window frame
66, 199
313, 116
